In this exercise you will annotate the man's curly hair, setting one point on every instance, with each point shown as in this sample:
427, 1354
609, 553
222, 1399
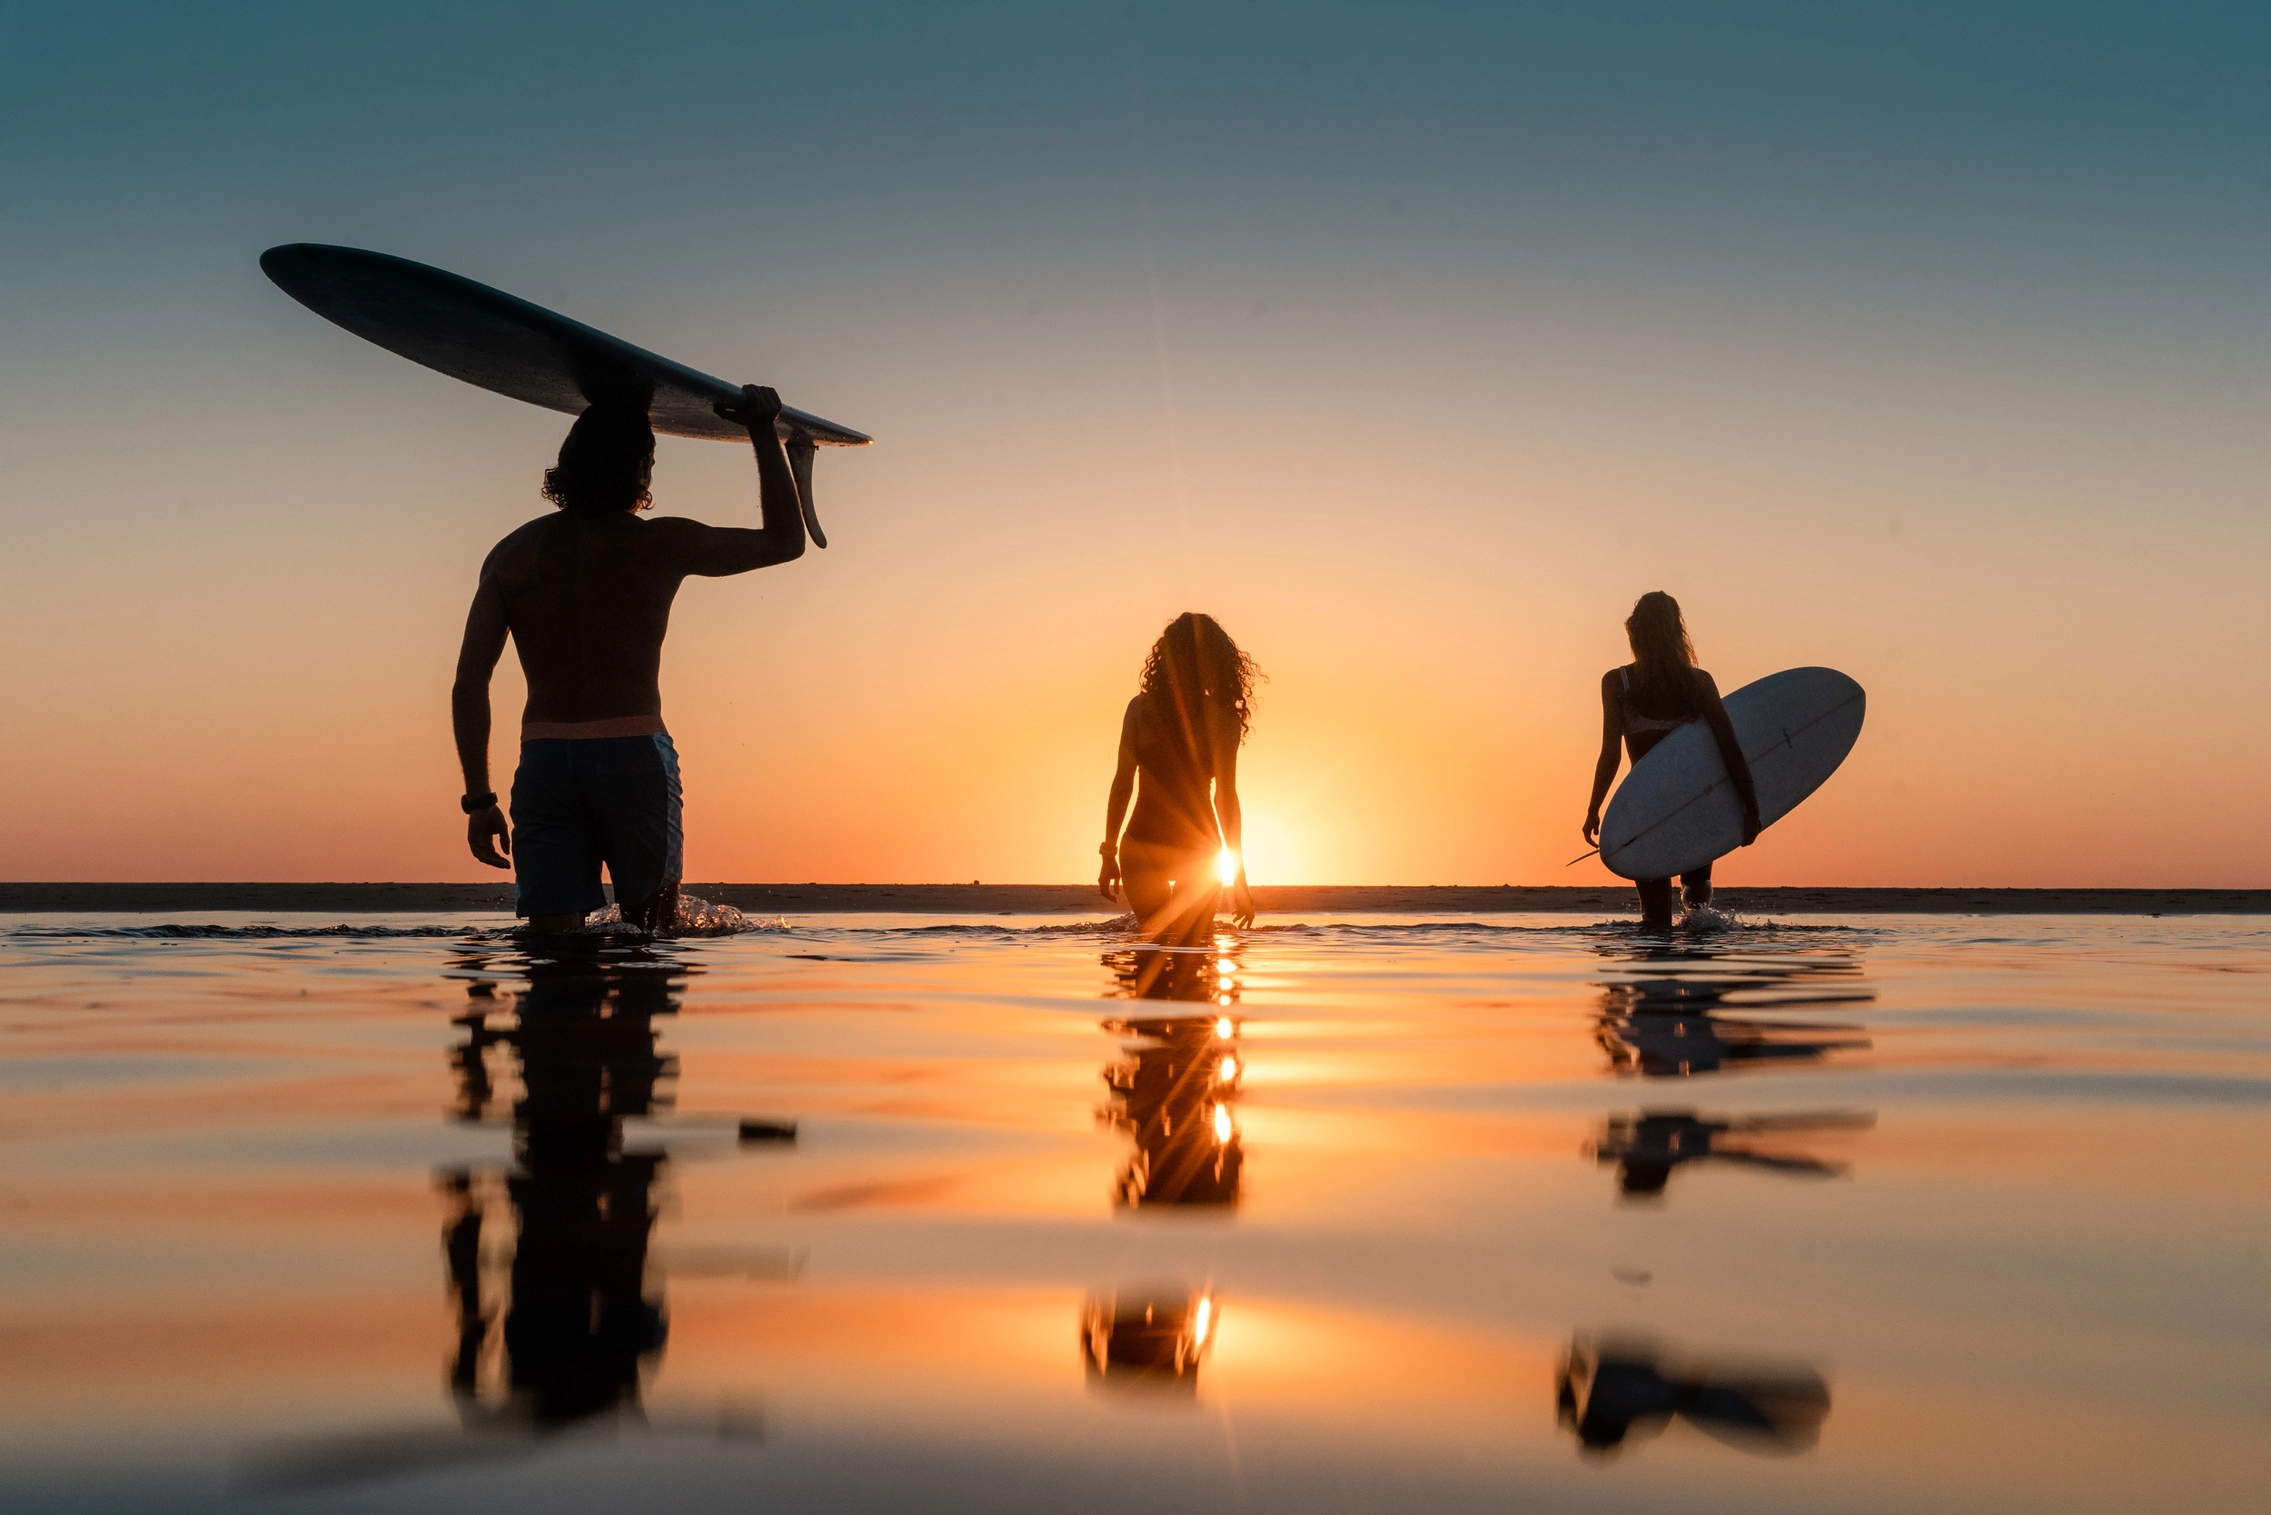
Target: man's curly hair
604, 462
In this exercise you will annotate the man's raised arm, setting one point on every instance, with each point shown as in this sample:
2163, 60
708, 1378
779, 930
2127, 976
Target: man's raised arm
485, 627
715, 551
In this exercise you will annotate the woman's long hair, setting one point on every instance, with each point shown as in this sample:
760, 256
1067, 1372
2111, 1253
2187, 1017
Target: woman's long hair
1663, 659
1193, 666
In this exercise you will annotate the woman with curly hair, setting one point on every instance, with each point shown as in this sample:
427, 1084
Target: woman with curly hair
1643, 702
1181, 733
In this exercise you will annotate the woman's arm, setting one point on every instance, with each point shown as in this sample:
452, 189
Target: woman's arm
1232, 819
1730, 753
1116, 804
1605, 769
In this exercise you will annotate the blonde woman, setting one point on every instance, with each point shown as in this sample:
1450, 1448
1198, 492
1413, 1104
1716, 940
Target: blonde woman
1643, 702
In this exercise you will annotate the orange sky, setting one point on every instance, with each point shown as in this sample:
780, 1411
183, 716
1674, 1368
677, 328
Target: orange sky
259, 689
1415, 403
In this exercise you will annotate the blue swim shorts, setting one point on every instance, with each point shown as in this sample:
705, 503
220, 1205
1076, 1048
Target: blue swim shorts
581, 802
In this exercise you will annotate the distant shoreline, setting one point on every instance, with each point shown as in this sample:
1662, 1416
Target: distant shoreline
1082, 899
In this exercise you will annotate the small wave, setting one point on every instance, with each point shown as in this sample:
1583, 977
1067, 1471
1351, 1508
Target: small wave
181, 932
1396, 929
698, 918
1706, 920
1123, 929
988, 931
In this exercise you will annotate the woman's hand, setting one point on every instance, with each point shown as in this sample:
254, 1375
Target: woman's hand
1241, 902
1593, 828
1108, 876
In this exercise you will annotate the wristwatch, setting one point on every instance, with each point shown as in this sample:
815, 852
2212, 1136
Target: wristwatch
474, 804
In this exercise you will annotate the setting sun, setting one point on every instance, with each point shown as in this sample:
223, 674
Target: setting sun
1226, 866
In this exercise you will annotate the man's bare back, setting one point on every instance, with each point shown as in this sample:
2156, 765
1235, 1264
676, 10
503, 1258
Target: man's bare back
585, 596
587, 600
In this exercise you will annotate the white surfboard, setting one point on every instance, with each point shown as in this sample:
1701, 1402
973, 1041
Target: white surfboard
1678, 810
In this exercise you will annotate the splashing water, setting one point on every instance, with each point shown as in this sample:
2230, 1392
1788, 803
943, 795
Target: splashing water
695, 917
1705, 918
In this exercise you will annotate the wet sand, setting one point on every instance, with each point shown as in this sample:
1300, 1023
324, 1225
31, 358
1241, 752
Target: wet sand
1081, 899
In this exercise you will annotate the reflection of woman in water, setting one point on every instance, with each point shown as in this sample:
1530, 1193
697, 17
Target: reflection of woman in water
1643, 702
1181, 733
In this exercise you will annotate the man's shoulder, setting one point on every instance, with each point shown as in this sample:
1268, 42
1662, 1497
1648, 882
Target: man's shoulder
677, 545
526, 532
520, 536
670, 529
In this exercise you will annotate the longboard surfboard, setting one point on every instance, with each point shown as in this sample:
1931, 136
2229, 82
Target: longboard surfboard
1678, 810
510, 347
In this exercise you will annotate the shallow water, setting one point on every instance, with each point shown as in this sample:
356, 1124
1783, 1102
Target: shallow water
1923, 1213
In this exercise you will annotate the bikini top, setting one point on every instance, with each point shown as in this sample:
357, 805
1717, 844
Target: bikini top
1636, 724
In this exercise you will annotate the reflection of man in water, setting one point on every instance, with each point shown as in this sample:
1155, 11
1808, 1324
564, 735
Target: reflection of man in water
585, 594
577, 1325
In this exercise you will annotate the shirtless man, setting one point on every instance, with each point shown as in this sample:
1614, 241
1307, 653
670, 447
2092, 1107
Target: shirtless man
585, 594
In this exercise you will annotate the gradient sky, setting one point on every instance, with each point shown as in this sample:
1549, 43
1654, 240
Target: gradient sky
1413, 341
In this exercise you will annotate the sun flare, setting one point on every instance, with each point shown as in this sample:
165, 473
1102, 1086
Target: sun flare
1226, 866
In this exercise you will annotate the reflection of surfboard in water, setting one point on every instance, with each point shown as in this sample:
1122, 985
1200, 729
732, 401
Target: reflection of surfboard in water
487, 337
1678, 810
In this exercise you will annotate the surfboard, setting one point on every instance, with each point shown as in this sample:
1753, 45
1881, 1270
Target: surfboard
1678, 810
510, 347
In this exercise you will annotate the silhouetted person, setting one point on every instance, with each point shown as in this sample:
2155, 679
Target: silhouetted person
585, 594
1180, 737
1643, 702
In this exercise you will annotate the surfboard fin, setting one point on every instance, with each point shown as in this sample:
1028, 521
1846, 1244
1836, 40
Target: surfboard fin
801, 448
